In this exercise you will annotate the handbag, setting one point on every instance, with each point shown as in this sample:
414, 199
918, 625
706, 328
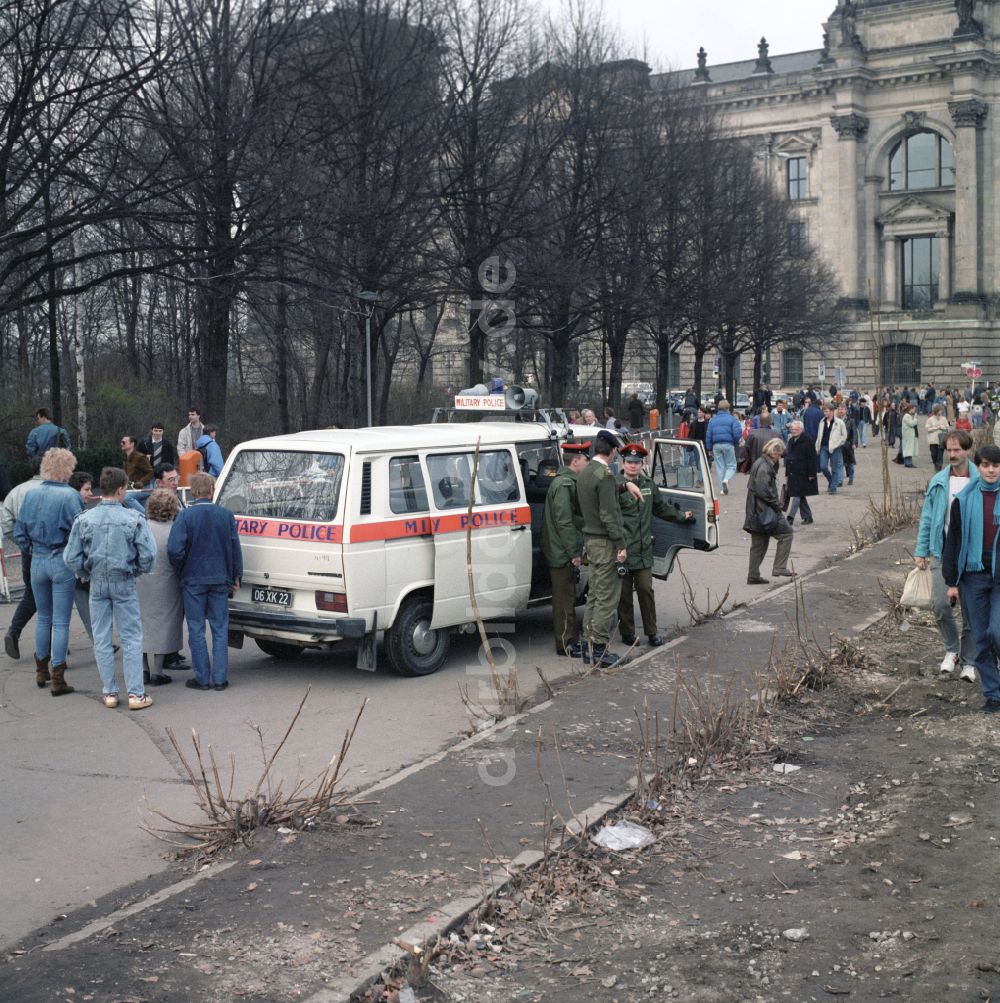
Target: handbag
743, 462
783, 498
766, 520
917, 589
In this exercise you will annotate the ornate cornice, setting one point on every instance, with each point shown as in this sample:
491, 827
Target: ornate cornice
853, 126
968, 114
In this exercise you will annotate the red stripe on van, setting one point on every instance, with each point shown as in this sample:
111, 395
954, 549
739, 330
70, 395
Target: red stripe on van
282, 529
429, 525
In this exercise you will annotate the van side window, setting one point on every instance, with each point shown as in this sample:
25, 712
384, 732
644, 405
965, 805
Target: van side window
451, 479
496, 478
406, 485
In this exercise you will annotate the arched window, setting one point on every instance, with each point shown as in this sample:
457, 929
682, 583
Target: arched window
900, 365
791, 367
922, 160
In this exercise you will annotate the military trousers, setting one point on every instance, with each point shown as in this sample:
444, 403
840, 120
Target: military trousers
642, 579
564, 607
603, 591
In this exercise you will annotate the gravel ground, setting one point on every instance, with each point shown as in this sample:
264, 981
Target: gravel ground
866, 873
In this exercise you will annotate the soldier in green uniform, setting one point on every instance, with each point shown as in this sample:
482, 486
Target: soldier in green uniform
637, 518
562, 545
604, 538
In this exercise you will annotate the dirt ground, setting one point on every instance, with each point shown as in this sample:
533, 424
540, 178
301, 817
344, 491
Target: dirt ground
868, 873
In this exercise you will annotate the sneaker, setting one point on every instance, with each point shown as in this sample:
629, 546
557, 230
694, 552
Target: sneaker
136, 702
110, 700
968, 673
949, 663
725, 487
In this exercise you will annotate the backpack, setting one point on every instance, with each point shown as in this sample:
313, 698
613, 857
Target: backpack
62, 439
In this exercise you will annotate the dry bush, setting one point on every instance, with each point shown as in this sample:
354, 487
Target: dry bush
229, 820
709, 726
897, 510
696, 613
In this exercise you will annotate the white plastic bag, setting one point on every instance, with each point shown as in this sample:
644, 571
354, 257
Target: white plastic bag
624, 836
917, 589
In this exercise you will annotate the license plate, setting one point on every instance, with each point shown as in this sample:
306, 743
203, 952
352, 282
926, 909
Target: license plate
271, 597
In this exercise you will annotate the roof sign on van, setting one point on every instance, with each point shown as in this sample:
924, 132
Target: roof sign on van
480, 402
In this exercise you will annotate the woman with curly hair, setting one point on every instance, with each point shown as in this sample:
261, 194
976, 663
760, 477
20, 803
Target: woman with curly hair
160, 597
42, 528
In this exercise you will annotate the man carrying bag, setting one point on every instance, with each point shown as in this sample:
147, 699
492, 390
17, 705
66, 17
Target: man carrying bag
764, 517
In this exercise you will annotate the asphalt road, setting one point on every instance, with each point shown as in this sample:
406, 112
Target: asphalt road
78, 778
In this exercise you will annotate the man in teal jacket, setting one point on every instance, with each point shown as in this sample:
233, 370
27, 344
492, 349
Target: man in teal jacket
944, 486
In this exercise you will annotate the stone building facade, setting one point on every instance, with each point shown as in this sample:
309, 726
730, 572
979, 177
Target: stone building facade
887, 140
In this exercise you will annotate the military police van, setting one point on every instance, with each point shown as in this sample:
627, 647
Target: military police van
348, 533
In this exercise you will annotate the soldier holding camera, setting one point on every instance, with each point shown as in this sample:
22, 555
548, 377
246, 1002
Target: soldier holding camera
637, 569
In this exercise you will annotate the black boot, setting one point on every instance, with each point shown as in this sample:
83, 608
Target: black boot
601, 658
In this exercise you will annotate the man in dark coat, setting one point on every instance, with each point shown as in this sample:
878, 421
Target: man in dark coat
759, 436
157, 448
764, 518
802, 468
562, 545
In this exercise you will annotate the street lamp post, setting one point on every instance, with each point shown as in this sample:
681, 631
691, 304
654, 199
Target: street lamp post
370, 299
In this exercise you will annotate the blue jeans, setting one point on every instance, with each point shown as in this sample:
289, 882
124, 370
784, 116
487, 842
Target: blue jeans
52, 585
981, 604
862, 434
211, 603
114, 601
725, 461
831, 466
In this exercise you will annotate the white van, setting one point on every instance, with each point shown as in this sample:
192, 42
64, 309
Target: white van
346, 533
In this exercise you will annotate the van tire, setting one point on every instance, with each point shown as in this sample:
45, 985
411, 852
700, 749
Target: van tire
278, 649
412, 648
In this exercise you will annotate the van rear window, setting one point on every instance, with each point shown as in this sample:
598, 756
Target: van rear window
280, 484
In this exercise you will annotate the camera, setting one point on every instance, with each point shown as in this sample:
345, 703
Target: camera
575, 574
622, 570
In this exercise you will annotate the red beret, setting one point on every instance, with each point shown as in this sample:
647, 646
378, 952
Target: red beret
575, 447
633, 450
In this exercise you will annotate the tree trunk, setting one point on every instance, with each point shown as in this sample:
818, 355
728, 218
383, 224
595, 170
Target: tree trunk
281, 353
699, 361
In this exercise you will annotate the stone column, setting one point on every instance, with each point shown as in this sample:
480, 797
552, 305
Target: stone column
968, 117
890, 272
851, 130
944, 267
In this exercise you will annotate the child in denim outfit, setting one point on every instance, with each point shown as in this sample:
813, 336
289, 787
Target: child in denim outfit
110, 545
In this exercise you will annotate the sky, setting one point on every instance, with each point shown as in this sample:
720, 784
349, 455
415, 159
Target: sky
729, 29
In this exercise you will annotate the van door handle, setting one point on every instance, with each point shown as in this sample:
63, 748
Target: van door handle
519, 529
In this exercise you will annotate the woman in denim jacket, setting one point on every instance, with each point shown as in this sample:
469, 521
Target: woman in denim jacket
42, 528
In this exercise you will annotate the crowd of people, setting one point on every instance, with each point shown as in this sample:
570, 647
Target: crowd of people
140, 564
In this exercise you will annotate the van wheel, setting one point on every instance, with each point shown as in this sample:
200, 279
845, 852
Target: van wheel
413, 649
278, 649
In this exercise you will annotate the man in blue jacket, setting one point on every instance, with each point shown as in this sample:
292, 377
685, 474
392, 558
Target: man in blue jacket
210, 451
941, 492
811, 417
45, 435
724, 434
204, 550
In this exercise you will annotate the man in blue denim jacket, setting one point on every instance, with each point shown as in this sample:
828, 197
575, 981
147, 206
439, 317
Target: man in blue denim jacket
941, 491
204, 549
110, 545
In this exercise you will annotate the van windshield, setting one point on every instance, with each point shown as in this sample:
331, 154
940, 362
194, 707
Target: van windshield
284, 485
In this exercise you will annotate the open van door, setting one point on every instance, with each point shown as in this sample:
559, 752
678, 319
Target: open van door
682, 477
500, 532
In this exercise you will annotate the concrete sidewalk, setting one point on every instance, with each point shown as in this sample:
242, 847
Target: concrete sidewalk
311, 916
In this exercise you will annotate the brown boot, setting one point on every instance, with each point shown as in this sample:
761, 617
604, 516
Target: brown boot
42, 672
59, 685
